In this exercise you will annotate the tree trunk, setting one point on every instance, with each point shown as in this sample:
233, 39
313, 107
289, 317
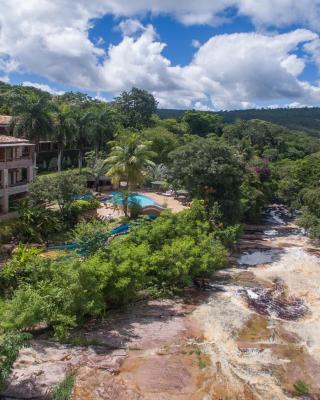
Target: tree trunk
125, 205
36, 142
35, 159
96, 149
60, 156
97, 184
80, 157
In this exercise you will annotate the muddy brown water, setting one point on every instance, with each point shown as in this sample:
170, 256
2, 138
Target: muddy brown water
251, 333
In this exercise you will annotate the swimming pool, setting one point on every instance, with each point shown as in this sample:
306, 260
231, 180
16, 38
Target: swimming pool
134, 198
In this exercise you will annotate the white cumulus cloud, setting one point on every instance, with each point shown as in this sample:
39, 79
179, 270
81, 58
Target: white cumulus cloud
43, 86
51, 39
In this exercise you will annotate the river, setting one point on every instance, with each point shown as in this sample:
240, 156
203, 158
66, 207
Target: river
252, 333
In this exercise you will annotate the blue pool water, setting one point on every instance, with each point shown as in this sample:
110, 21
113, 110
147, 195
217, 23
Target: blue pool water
134, 198
88, 196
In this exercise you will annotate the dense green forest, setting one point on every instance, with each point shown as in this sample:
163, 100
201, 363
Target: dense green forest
231, 170
302, 119
228, 164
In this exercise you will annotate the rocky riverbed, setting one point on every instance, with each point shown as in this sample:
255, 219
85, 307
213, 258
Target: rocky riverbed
252, 333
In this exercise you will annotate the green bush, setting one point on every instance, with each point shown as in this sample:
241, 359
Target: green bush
72, 213
62, 296
229, 236
91, 235
81, 206
135, 210
36, 222
162, 256
301, 388
63, 390
310, 219
8, 229
25, 266
10, 344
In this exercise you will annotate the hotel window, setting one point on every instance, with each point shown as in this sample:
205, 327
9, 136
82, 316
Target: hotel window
25, 152
2, 154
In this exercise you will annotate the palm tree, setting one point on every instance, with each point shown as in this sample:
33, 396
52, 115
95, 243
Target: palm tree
33, 117
64, 127
82, 120
130, 158
158, 172
102, 127
96, 167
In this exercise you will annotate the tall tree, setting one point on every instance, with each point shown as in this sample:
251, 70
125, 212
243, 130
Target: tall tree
129, 158
201, 123
82, 116
64, 128
136, 108
60, 189
102, 126
82, 120
33, 117
210, 171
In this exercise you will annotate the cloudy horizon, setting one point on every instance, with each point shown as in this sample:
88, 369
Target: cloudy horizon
207, 55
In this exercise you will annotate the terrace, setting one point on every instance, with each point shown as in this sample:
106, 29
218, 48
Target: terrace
16, 168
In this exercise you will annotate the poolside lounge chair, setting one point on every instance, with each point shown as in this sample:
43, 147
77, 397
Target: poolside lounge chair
168, 193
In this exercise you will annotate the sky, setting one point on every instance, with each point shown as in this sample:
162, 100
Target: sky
203, 54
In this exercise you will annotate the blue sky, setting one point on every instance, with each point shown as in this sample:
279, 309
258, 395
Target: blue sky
209, 54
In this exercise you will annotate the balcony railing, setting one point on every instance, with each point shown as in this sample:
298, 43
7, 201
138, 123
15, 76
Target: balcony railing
20, 183
26, 157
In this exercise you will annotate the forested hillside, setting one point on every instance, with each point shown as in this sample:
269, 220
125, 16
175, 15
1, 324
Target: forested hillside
305, 119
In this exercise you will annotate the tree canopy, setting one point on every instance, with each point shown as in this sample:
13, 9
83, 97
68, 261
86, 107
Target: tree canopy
136, 108
210, 171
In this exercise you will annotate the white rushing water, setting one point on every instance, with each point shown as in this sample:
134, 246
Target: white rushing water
228, 313
259, 257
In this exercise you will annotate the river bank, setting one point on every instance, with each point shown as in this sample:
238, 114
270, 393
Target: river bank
252, 333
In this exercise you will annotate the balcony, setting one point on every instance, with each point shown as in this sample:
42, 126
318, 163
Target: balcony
19, 187
22, 162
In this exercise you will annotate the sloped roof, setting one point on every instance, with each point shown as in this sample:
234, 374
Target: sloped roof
11, 139
5, 119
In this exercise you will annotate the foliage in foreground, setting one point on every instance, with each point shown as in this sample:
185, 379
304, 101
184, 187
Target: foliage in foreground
63, 391
161, 257
60, 188
10, 344
301, 388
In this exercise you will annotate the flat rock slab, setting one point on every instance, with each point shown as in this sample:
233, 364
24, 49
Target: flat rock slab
45, 364
147, 326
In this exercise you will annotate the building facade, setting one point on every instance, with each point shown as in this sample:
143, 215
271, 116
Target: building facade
16, 169
5, 123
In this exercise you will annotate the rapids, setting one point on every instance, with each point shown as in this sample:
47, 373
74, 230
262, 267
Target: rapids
263, 332
251, 333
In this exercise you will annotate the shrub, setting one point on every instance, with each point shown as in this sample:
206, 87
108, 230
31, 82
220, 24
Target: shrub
162, 256
35, 222
229, 236
63, 390
301, 388
25, 266
135, 210
10, 344
91, 235
8, 229
60, 189
80, 206
61, 297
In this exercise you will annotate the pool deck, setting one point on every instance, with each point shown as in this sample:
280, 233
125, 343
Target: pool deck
108, 210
